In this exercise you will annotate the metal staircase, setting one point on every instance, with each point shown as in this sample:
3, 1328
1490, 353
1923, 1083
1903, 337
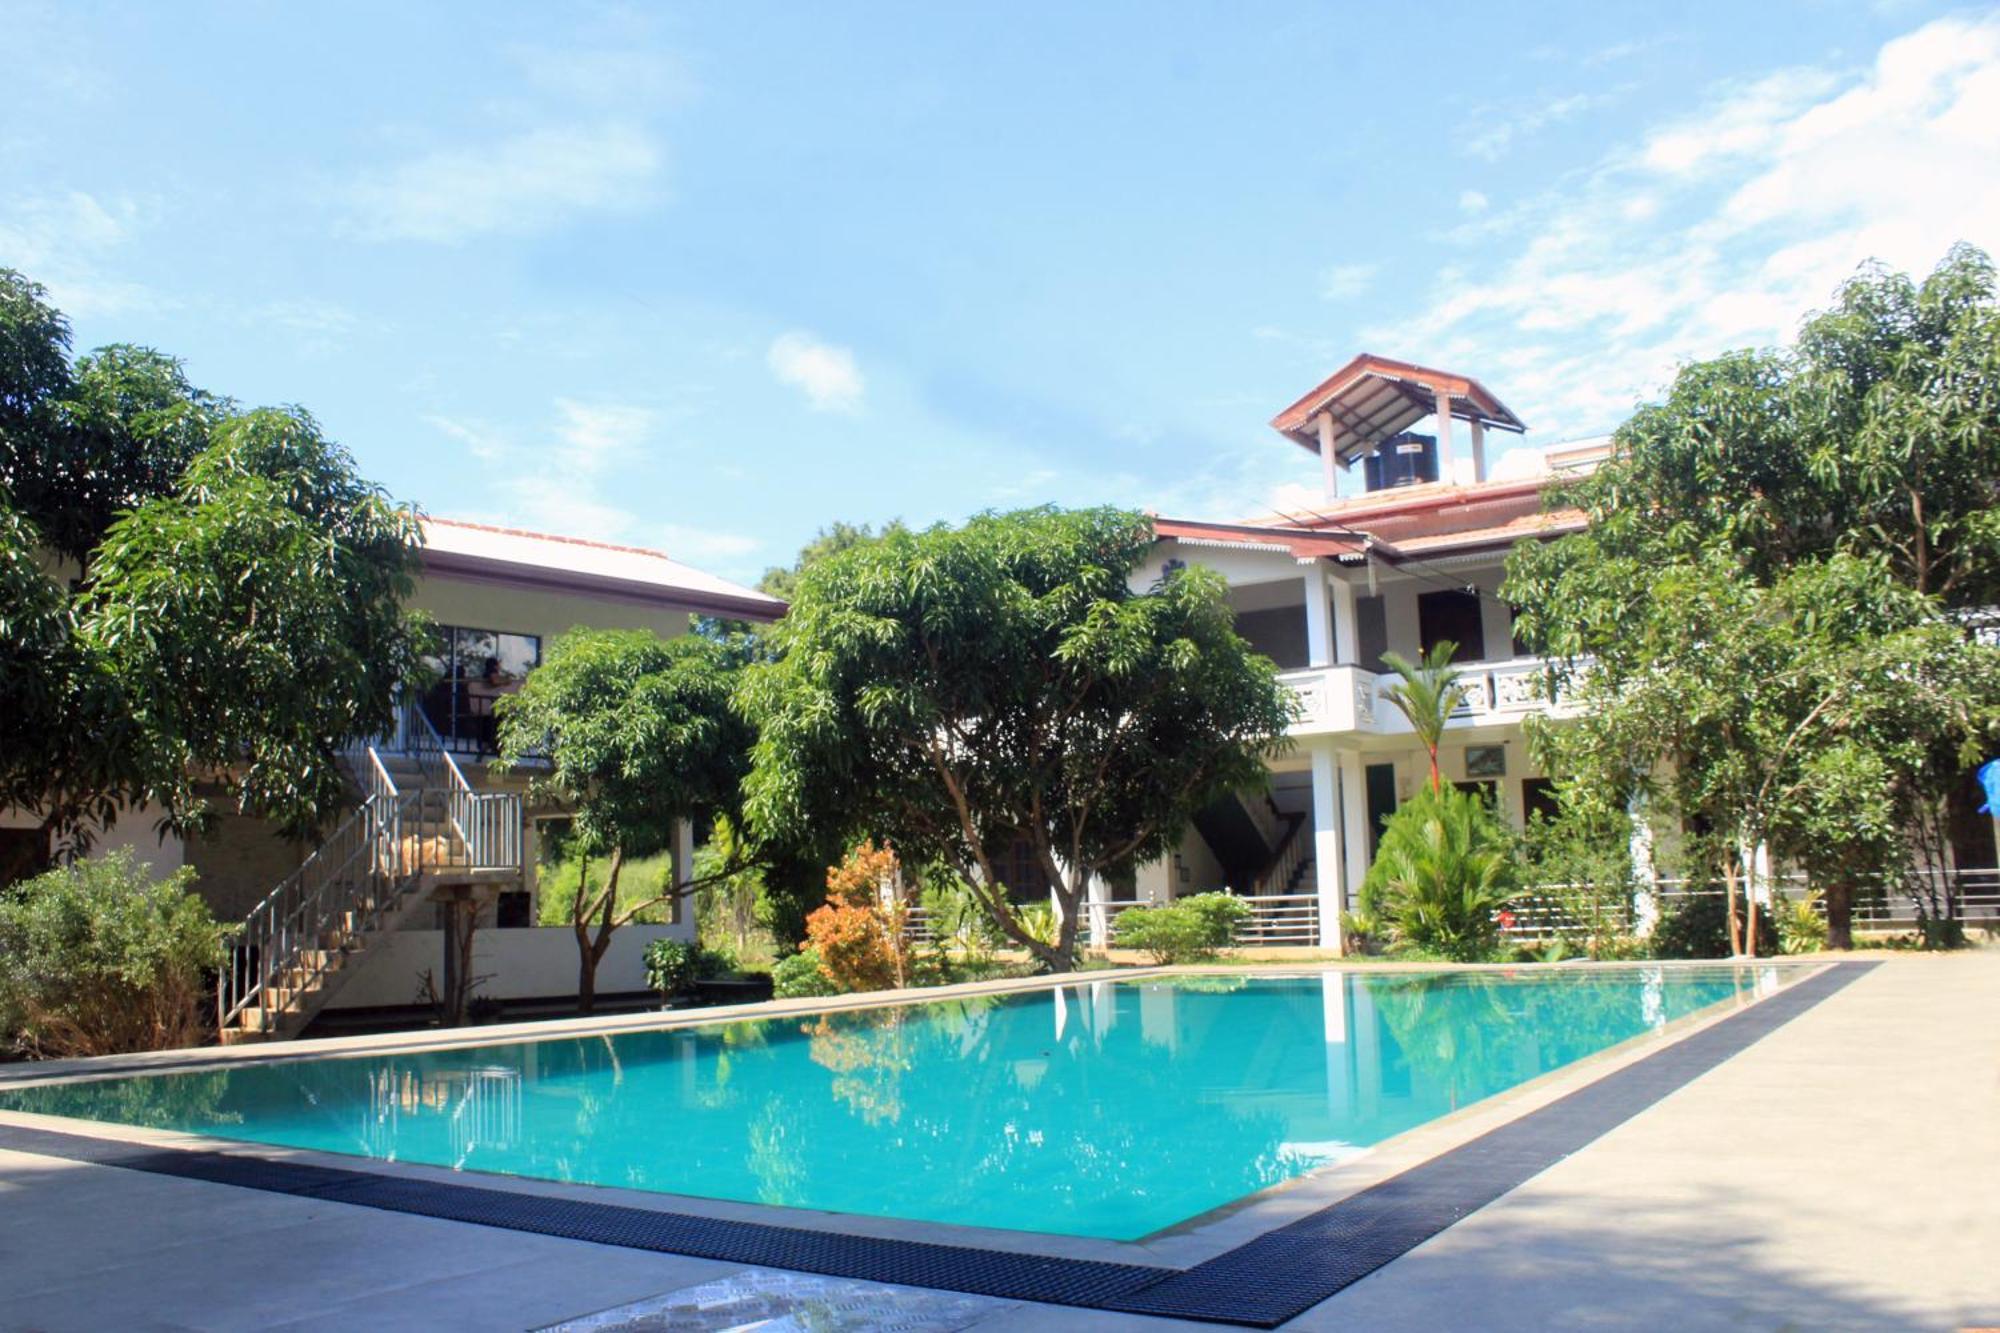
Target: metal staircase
299, 945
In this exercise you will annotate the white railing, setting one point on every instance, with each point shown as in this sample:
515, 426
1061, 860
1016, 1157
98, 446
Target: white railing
1346, 698
1281, 919
290, 941
1292, 853
486, 823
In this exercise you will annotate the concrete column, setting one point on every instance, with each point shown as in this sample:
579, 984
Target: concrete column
1645, 904
683, 913
1478, 451
1326, 457
1319, 633
1447, 466
1346, 633
1328, 881
1354, 817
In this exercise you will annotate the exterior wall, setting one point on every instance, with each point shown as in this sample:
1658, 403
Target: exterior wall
477, 604
132, 829
517, 965
239, 860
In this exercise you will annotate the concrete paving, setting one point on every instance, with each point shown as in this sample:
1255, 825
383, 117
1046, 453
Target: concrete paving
1842, 1173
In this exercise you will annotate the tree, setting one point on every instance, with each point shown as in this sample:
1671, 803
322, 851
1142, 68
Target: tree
1813, 718
255, 620
962, 691
639, 734
101, 957
1770, 595
783, 580
1877, 434
1427, 695
190, 595
1445, 867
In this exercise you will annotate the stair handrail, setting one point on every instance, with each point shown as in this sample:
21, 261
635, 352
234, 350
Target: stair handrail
1286, 860
487, 823
290, 923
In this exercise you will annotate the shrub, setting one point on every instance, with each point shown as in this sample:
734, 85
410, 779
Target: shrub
1801, 928
1445, 866
857, 935
1698, 927
99, 957
799, 976
674, 967
1186, 931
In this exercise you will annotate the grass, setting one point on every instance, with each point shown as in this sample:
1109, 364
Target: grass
641, 878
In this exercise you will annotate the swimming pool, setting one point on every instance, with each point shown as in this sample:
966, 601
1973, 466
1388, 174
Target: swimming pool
1103, 1108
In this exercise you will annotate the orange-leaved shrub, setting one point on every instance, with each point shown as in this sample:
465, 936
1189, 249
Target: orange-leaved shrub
858, 934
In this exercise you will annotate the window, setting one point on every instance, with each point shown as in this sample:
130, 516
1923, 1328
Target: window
475, 667
1486, 791
1451, 617
1371, 632
1538, 797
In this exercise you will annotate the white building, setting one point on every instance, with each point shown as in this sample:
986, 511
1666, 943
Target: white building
1412, 557
359, 920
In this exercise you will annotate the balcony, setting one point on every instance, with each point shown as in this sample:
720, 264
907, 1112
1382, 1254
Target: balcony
1340, 699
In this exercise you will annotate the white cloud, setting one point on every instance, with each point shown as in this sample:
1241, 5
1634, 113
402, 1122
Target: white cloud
1724, 228
1343, 282
593, 434
64, 240
523, 184
825, 372
1472, 201
1495, 132
556, 484
699, 545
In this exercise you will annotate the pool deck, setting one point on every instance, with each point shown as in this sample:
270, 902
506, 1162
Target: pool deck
1841, 1172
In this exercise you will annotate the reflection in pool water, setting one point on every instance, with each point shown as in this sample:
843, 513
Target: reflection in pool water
1101, 1108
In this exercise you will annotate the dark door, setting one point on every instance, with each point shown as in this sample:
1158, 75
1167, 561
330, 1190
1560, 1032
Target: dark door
1371, 632
1381, 802
1451, 617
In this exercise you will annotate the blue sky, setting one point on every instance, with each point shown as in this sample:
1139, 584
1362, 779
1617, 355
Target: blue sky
708, 277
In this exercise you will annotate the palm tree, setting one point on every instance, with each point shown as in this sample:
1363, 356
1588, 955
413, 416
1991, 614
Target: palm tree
1428, 695
1442, 875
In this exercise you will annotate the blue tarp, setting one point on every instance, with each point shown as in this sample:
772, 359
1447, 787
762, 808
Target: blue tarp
1989, 778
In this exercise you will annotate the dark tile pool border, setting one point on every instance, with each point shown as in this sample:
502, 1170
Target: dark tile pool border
1261, 1283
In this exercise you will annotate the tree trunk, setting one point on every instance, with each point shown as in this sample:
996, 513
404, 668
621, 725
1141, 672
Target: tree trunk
1729, 872
1839, 901
589, 953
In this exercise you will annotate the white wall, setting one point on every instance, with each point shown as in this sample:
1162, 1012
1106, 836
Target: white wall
475, 604
533, 963
133, 828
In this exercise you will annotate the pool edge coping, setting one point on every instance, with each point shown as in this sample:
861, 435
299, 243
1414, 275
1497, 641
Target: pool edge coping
1167, 1254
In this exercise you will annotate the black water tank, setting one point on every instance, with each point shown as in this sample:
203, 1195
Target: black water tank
1401, 460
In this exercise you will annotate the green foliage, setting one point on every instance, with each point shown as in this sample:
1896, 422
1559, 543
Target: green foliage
1697, 926
676, 967
1444, 867
99, 957
1187, 930
1428, 694
800, 976
783, 581
1801, 927
254, 619
962, 689
956, 916
1764, 592
231, 610
1579, 865
639, 733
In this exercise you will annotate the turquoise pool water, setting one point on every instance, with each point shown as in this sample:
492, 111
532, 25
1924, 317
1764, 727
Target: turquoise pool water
1104, 1108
